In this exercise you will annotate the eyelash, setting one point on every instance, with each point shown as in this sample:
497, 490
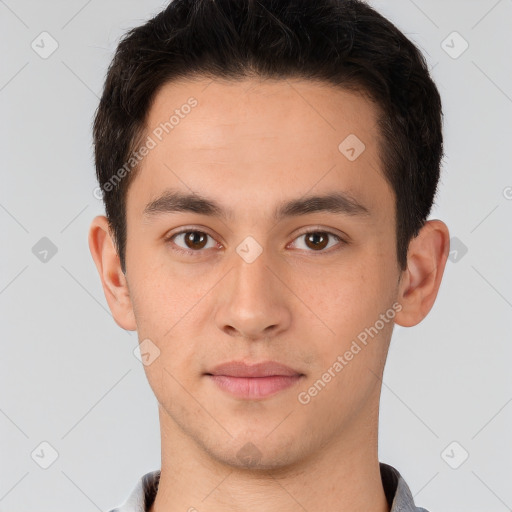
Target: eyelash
190, 252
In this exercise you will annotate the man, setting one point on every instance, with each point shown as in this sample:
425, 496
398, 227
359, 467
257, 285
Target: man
267, 170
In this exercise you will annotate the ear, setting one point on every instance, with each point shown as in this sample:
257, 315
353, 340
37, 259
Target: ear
114, 282
419, 283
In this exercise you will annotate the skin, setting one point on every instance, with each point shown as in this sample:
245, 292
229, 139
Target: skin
250, 145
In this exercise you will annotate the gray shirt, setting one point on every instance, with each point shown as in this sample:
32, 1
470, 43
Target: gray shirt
397, 492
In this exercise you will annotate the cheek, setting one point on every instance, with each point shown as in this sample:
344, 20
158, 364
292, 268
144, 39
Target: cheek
342, 295
165, 313
346, 301
161, 290
171, 305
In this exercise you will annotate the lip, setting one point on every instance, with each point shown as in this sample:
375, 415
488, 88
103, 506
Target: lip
253, 381
263, 369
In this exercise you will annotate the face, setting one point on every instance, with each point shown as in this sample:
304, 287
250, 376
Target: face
249, 268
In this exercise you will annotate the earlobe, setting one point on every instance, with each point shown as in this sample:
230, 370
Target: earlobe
113, 280
420, 282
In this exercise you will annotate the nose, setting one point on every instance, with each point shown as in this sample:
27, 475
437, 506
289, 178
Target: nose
254, 304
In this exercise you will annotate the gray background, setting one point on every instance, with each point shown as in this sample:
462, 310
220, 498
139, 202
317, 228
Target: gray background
68, 375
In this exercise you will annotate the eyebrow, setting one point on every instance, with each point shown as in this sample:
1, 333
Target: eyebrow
173, 201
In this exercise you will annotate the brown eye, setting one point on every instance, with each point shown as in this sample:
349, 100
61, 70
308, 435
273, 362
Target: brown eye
192, 241
316, 240
195, 239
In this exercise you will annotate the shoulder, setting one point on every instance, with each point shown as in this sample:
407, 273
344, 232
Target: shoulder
142, 495
397, 491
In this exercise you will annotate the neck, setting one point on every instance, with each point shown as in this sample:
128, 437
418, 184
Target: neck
344, 476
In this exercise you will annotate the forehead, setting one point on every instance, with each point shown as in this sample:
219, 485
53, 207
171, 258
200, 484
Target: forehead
259, 137
261, 109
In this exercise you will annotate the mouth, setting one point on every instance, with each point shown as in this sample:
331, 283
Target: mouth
256, 381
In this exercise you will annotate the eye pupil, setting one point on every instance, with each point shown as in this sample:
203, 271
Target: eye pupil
196, 238
319, 240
